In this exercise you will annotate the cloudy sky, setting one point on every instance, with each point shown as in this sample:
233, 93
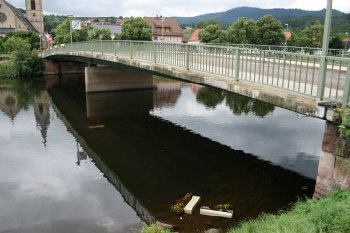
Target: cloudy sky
171, 8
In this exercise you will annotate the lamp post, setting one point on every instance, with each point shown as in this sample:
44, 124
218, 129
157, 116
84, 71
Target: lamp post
325, 47
286, 38
163, 19
40, 46
70, 28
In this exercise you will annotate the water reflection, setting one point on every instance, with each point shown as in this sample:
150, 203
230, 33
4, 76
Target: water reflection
161, 144
42, 188
271, 133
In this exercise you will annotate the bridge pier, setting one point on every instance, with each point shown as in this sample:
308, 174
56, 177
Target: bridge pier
334, 167
101, 79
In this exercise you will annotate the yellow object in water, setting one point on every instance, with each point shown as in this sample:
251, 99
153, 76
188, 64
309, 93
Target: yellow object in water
97, 127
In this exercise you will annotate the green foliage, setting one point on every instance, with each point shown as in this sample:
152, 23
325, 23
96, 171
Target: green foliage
344, 128
178, 207
336, 42
154, 229
23, 64
31, 37
243, 31
13, 44
328, 215
310, 36
100, 34
269, 31
62, 33
224, 207
213, 33
136, 29
52, 21
205, 23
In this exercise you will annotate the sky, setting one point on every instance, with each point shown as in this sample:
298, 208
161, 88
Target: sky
171, 8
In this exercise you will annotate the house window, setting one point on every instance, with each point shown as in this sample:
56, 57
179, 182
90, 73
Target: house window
32, 3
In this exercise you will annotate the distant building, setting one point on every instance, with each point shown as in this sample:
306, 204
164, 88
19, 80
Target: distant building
14, 19
165, 29
115, 28
287, 35
346, 43
194, 39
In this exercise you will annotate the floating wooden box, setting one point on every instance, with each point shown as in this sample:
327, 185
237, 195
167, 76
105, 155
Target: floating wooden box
216, 213
192, 204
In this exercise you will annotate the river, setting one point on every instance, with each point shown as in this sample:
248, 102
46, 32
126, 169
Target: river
111, 162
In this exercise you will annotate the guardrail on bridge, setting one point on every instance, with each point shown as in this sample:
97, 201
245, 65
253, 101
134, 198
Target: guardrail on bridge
297, 72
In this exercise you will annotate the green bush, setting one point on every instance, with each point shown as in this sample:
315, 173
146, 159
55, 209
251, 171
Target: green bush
327, 215
23, 64
154, 229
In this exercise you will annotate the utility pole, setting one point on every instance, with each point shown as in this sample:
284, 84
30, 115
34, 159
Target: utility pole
325, 47
70, 28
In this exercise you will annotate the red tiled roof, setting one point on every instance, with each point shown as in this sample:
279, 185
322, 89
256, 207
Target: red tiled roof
170, 24
287, 35
195, 35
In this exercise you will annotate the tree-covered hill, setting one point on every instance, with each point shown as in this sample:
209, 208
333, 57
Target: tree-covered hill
232, 15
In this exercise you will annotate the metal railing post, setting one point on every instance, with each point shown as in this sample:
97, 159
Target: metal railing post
131, 50
187, 57
322, 78
346, 89
155, 52
237, 56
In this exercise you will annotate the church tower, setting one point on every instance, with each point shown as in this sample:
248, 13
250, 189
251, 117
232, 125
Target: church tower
35, 14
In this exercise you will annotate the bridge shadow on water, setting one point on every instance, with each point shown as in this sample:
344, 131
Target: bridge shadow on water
157, 160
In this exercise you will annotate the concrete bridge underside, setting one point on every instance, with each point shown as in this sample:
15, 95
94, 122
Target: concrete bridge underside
278, 97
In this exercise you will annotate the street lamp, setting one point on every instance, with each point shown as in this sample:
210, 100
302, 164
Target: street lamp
163, 19
70, 27
40, 46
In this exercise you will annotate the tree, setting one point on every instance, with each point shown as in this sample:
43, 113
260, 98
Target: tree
243, 31
269, 31
310, 36
136, 29
62, 33
14, 44
31, 37
213, 34
52, 21
100, 34
204, 23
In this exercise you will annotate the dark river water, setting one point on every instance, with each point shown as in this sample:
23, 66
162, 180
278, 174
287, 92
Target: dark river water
111, 162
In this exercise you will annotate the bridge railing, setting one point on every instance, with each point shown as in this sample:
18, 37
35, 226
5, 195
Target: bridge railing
291, 49
297, 72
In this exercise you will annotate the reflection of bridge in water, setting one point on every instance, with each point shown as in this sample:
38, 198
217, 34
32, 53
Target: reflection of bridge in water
155, 162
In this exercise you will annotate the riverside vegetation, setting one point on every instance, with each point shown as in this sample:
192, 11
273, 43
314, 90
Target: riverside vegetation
328, 215
24, 62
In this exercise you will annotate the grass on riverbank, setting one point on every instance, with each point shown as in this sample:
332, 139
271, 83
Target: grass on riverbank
154, 229
330, 214
326, 215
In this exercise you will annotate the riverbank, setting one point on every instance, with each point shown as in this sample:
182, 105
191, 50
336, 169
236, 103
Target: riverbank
329, 214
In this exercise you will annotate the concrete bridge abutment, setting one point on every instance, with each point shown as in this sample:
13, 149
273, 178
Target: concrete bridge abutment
102, 79
334, 166
60, 68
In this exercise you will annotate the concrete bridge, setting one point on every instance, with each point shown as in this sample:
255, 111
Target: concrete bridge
290, 80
